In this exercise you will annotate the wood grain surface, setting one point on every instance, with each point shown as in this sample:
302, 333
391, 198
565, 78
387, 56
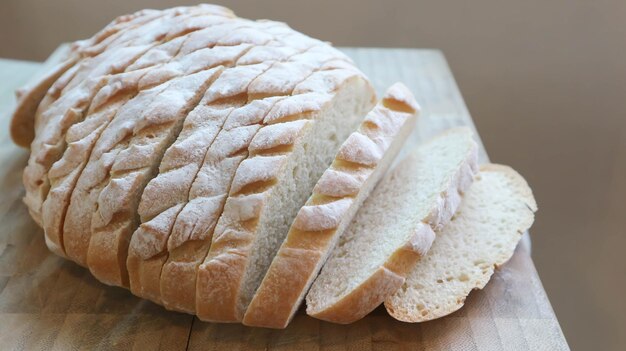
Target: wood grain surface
49, 303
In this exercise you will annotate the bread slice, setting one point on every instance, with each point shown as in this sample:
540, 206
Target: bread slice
358, 166
494, 213
394, 228
55, 115
287, 156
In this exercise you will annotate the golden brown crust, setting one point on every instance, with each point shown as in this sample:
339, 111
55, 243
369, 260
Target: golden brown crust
290, 274
145, 276
178, 275
385, 281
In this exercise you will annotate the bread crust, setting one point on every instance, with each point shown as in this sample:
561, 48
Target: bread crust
318, 225
383, 282
67, 102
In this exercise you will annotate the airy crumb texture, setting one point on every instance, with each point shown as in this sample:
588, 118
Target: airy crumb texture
394, 228
497, 209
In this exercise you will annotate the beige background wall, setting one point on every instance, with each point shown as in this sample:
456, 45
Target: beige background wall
544, 80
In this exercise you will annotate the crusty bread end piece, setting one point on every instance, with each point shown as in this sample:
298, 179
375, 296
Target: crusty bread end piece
360, 163
494, 213
28, 98
394, 228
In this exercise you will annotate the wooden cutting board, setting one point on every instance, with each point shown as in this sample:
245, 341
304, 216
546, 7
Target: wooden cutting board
50, 303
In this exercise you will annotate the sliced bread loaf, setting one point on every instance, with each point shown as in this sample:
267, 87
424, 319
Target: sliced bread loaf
273, 183
358, 166
494, 213
394, 228
231, 148
187, 196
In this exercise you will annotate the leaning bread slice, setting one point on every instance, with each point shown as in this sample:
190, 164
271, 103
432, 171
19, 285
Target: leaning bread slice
394, 228
494, 213
358, 166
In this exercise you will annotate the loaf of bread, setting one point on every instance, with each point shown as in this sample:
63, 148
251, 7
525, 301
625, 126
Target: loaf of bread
174, 151
138, 135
